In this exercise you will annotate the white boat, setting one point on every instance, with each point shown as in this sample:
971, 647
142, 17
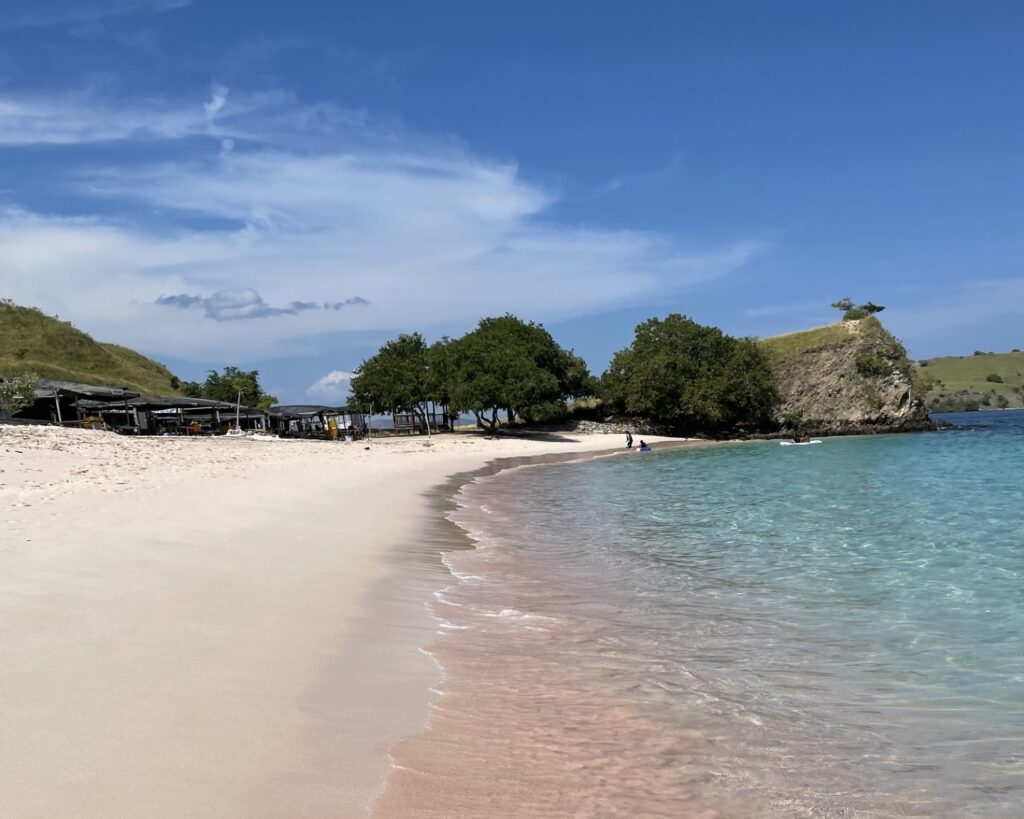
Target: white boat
799, 443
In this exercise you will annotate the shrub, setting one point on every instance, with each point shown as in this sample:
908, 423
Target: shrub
872, 363
995, 378
17, 393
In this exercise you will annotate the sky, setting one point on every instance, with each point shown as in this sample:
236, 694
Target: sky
285, 186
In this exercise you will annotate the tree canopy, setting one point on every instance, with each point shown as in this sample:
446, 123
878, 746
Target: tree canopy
693, 376
397, 377
225, 386
507, 364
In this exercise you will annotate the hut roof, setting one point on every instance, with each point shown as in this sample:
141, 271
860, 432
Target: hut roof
306, 410
45, 388
177, 402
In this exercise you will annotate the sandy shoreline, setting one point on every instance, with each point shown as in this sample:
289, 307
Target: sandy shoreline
215, 627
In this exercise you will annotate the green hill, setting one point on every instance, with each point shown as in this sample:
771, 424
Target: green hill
33, 342
979, 381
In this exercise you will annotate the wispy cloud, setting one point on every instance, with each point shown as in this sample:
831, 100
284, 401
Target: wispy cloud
81, 118
266, 118
218, 99
616, 183
27, 13
289, 206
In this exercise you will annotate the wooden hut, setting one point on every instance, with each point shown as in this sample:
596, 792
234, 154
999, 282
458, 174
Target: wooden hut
316, 421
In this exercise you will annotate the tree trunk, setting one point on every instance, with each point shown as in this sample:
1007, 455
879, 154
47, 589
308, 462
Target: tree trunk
421, 409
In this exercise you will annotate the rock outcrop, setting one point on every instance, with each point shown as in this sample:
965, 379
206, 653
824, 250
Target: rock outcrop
848, 378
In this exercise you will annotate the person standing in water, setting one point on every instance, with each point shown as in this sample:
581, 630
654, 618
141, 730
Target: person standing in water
629, 440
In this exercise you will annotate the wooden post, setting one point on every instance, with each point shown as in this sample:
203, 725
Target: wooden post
56, 400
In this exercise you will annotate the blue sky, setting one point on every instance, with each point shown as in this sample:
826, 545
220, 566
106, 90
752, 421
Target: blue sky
285, 186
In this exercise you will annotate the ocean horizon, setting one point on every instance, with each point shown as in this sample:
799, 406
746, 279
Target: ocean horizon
737, 630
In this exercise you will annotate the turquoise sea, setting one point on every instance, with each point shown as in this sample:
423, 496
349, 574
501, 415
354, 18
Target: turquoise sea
750, 629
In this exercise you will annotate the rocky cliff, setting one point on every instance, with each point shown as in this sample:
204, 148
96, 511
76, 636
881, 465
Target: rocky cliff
848, 378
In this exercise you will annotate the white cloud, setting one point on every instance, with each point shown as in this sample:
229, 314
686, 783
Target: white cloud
428, 234
87, 117
80, 118
218, 99
333, 388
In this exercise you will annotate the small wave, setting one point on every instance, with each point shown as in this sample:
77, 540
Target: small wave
515, 614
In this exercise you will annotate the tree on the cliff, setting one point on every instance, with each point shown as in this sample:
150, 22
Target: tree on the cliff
693, 376
853, 312
516, 367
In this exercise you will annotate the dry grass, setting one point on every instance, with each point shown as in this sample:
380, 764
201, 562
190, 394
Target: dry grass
789, 345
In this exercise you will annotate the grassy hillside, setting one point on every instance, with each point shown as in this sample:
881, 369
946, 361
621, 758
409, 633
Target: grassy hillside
32, 342
984, 379
790, 345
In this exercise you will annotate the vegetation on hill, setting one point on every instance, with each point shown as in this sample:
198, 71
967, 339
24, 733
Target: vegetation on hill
972, 382
32, 342
692, 376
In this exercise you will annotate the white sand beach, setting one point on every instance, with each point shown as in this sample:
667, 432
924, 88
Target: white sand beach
204, 627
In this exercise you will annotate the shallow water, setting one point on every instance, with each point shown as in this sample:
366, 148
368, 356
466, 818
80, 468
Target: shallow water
745, 630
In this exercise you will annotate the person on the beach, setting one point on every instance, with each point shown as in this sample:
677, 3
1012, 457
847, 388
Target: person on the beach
629, 440
643, 444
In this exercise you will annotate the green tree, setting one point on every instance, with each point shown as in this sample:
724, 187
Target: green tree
396, 378
16, 393
853, 312
696, 377
516, 367
226, 386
